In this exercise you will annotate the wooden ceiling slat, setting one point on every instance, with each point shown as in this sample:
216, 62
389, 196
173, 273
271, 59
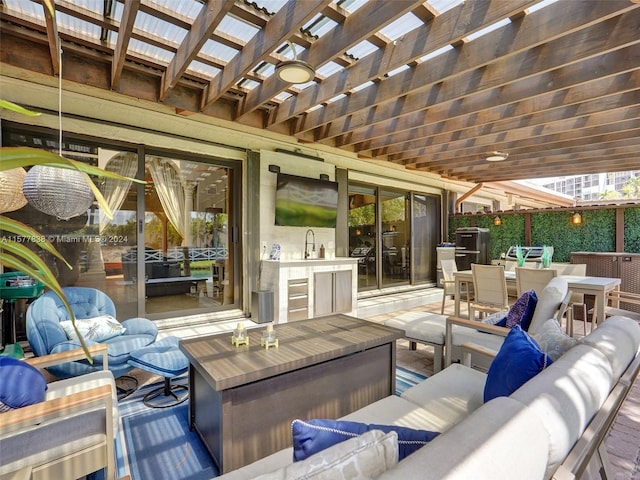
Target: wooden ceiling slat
122, 43
496, 123
203, 26
549, 150
624, 139
448, 28
52, 35
448, 108
290, 18
542, 167
448, 103
509, 133
476, 62
355, 28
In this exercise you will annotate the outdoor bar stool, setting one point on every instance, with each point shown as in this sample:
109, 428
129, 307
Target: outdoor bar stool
163, 358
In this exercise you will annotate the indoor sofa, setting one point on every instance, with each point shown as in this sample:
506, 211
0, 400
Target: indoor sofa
549, 427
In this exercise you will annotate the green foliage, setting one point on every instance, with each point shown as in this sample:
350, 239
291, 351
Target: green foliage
458, 221
596, 233
632, 230
364, 215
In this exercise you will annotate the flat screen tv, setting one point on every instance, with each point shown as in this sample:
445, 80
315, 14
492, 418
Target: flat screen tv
306, 202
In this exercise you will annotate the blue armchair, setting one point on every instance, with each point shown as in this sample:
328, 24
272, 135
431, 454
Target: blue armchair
46, 335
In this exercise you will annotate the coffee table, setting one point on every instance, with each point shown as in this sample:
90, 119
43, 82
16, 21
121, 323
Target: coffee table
244, 398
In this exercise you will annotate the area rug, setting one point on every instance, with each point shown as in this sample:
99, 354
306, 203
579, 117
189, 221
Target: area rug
157, 444
406, 379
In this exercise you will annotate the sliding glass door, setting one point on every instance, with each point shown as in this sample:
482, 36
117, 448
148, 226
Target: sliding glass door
169, 248
188, 262
394, 234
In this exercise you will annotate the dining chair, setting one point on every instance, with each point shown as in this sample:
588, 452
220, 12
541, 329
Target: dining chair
490, 290
533, 279
577, 306
448, 280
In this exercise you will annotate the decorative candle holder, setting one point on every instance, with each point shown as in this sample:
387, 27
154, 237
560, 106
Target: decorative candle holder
239, 336
269, 338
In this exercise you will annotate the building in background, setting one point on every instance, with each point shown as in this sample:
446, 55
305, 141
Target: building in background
590, 187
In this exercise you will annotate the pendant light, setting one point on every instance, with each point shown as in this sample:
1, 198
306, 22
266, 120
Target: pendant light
60, 192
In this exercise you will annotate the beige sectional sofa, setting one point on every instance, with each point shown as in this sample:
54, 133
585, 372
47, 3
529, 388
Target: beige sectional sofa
538, 432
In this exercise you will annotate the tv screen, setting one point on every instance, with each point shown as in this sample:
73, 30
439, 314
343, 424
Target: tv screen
306, 202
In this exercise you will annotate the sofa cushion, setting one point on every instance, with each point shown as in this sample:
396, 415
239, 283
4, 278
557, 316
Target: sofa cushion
313, 436
96, 329
553, 341
425, 327
548, 302
566, 396
489, 444
394, 410
364, 456
521, 312
518, 360
450, 395
20, 384
618, 338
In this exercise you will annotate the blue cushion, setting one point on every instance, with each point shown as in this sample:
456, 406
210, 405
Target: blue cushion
521, 312
518, 360
20, 384
312, 436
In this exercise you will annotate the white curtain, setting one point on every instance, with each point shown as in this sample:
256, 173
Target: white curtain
166, 180
115, 191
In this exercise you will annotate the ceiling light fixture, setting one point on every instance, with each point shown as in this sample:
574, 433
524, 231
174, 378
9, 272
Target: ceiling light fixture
295, 71
496, 156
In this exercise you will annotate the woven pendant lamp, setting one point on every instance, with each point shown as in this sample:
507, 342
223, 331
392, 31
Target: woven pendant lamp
11, 196
60, 192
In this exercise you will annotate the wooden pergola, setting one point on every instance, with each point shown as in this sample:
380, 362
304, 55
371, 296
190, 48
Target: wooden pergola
432, 86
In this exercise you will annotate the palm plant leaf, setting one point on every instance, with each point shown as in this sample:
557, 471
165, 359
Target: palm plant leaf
17, 108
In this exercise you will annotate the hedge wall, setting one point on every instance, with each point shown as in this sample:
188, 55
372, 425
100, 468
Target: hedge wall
596, 233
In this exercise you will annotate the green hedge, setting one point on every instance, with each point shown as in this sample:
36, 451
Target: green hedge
596, 233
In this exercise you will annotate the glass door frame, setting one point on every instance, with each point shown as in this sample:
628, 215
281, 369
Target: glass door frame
235, 222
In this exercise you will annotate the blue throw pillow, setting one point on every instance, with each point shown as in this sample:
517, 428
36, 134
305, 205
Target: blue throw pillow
313, 436
20, 384
521, 312
518, 360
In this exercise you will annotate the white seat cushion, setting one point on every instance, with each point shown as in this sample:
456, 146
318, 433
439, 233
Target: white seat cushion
451, 394
428, 328
393, 410
487, 445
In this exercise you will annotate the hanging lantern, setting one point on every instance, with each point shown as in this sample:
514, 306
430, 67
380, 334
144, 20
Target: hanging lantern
60, 192
11, 196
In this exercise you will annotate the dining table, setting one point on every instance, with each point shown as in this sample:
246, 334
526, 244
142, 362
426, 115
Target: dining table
599, 287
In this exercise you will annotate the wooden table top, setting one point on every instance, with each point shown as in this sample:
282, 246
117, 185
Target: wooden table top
301, 344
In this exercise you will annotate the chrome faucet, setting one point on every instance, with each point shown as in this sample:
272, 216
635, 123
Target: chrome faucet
306, 243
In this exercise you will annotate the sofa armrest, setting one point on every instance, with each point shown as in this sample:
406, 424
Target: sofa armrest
468, 348
474, 324
58, 408
70, 356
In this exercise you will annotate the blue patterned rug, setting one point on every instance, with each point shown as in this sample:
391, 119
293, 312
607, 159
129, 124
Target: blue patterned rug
157, 444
